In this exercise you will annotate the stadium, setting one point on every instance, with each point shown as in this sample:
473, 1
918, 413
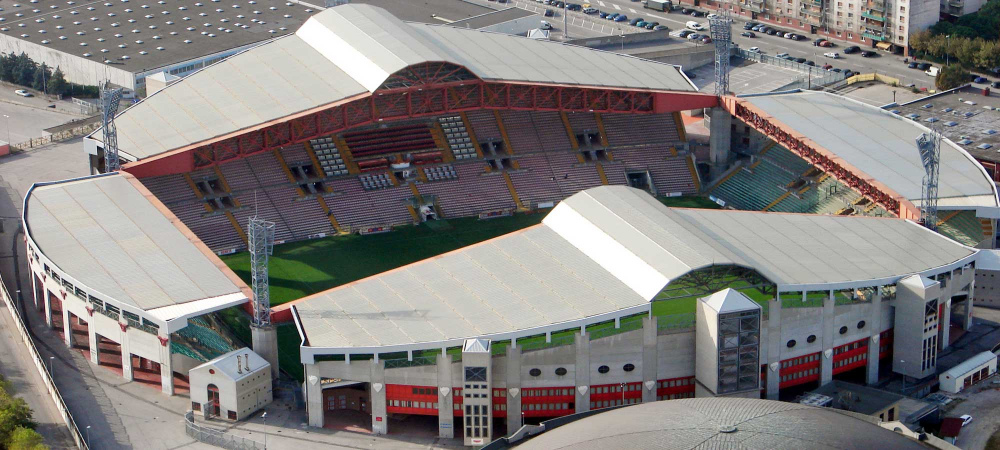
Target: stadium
474, 230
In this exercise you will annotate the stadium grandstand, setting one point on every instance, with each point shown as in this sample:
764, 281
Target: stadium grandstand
362, 124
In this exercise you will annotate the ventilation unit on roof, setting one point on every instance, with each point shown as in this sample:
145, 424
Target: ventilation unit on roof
88, 55
45, 41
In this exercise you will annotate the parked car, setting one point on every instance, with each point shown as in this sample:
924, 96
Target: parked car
835, 70
754, 50
661, 27
602, 14
781, 55
621, 18
848, 73
912, 65
652, 25
685, 11
574, 7
924, 66
966, 419
635, 21
827, 44
706, 40
798, 37
748, 34
809, 63
712, 16
694, 36
549, 13
980, 80
612, 16
789, 36
23, 93
868, 54
799, 60
995, 84
545, 25
827, 67
757, 28
591, 11
833, 55
685, 33
698, 14
749, 25
817, 42
852, 49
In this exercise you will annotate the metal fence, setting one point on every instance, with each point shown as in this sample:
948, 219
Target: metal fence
674, 323
415, 362
813, 76
611, 331
43, 370
57, 137
539, 344
218, 438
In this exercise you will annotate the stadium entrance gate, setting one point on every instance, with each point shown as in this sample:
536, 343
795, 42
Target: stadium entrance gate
347, 405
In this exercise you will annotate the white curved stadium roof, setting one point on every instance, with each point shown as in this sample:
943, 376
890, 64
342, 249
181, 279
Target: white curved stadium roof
603, 253
350, 50
882, 145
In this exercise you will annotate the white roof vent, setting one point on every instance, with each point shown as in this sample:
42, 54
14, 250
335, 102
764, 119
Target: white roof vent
118, 35
126, 57
173, 33
187, 41
59, 27
143, 52
101, 39
62, 38
148, 16
152, 27
273, 8
81, 33
116, 24
97, 28
74, 12
122, 45
182, 8
87, 55
156, 37
45, 41
288, 16
211, 34
138, 41
104, 50
170, 22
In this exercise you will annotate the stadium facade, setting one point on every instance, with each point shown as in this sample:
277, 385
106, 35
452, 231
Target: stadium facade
360, 123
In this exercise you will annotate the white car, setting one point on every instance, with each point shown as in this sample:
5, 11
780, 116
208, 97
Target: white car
23, 93
781, 55
754, 50
966, 419
545, 25
833, 55
711, 16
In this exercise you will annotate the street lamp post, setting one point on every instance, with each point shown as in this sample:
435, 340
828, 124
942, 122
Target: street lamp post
88, 436
6, 120
264, 419
51, 374
947, 50
623, 394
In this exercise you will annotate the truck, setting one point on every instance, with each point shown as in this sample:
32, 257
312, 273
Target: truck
933, 71
659, 5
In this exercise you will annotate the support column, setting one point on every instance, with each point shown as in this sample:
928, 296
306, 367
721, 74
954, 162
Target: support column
826, 358
34, 289
67, 326
167, 367
944, 325
380, 416
720, 140
871, 365
314, 396
649, 359
48, 307
582, 347
514, 419
969, 304
446, 397
126, 357
95, 356
773, 347
265, 344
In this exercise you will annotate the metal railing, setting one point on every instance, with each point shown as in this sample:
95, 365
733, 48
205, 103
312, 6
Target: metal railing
415, 362
540, 344
611, 331
43, 370
674, 323
218, 438
817, 75
57, 137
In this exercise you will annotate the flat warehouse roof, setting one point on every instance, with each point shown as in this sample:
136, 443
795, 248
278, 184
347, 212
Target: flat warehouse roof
882, 145
157, 27
607, 252
104, 232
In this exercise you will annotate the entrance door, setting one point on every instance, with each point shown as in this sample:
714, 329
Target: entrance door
213, 400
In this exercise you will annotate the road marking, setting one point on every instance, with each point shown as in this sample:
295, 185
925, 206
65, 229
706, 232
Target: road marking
599, 2
633, 11
617, 7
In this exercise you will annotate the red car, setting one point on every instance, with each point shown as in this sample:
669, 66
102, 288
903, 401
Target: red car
707, 40
827, 66
826, 44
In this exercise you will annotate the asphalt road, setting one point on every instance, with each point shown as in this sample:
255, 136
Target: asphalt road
24, 118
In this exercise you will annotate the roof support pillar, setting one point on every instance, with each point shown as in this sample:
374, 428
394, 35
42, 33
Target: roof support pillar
650, 360
875, 316
772, 348
446, 397
513, 375
826, 357
582, 372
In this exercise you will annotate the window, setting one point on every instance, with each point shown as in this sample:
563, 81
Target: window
561, 371
535, 372
628, 367
843, 330
475, 374
790, 343
603, 369
861, 324
811, 338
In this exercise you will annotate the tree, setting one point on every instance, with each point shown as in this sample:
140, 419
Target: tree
951, 77
24, 70
42, 76
920, 41
57, 83
25, 439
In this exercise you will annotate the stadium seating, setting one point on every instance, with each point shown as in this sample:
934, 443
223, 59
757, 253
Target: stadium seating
670, 174
535, 182
296, 154
169, 188
583, 122
754, 189
484, 125
633, 129
551, 132
438, 173
470, 194
571, 175
615, 172
382, 141
520, 131
352, 205
963, 227
458, 137
787, 160
329, 156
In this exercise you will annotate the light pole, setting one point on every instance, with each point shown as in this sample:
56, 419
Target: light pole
623, 394
622, 35
6, 120
947, 50
88, 436
51, 358
263, 417
894, 96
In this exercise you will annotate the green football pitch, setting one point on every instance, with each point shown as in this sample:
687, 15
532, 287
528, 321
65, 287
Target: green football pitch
299, 269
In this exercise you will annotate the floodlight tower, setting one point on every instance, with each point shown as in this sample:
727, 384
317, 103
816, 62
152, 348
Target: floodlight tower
929, 146
260, 239
110, 98
720, 28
